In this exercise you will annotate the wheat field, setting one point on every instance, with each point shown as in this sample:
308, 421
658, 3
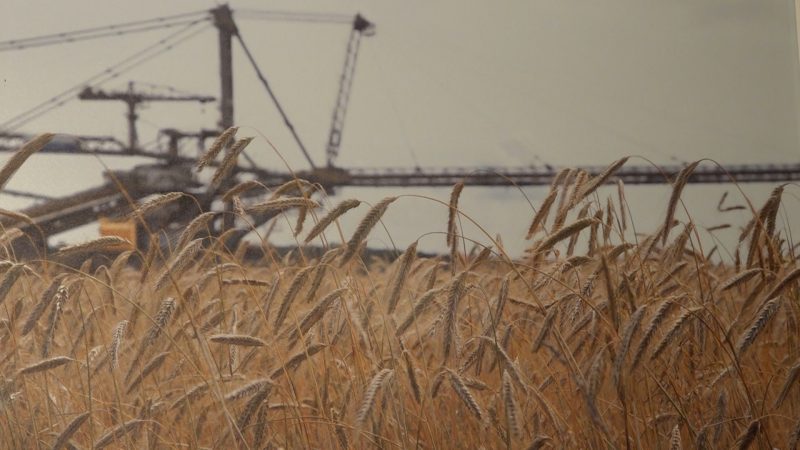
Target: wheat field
596, 337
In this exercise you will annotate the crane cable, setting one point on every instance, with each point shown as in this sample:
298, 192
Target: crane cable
127, 64
291, 16
99, 32
264, 81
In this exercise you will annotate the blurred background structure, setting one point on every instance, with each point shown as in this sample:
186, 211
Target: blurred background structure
518, 90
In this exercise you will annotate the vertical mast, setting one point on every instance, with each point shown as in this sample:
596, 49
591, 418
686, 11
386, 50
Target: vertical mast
223, 20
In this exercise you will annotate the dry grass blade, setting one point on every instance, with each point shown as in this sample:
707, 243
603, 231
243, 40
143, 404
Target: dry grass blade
69, 430
241, 340
47, 364
21, 217
18, 159
335, 213
369, 395
364, 227
219, 143
677, 188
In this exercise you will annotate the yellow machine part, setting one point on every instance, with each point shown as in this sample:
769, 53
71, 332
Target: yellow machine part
125, 229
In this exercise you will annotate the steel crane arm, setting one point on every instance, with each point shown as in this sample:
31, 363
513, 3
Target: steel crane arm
361, 27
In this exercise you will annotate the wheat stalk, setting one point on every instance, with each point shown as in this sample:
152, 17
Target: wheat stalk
18, 159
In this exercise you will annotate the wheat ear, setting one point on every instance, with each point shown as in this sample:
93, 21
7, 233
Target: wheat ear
46, 364
95, 245
366, 225
625, 343
677, 188
294, 288
765, 313
116, 342
335, 213
563, 233
541, 215
44, 302
241, 340
219, 143
228, 163
601, 178
403, 266
69, 430
369, 395
465, 395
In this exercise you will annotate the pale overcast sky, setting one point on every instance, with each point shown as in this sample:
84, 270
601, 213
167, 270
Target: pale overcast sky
453, 82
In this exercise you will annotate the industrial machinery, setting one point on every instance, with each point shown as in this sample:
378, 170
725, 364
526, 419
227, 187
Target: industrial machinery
172, 171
